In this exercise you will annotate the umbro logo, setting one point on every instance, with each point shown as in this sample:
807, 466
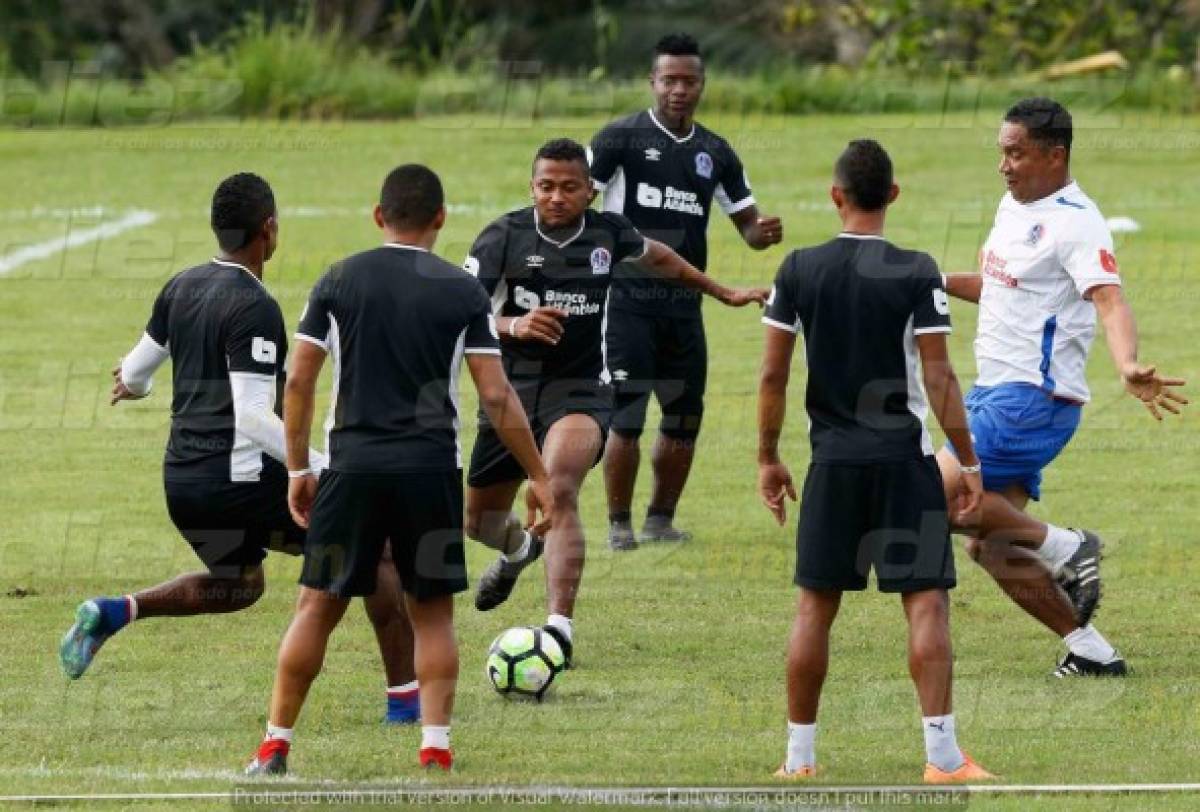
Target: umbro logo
653, 154
534, 261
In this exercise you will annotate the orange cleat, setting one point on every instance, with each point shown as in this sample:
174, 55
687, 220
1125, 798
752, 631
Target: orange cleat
807, 771
968, 772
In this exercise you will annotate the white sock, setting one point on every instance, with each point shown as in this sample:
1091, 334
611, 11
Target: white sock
521, 552
437, 736
561, 623
284, 733
132, 607
801, 752
1089, 643
1059, 546
403, 689
941, 745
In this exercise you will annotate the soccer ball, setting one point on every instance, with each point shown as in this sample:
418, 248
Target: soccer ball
524, 660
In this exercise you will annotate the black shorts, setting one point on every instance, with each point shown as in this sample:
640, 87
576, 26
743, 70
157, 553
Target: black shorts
890, 516
661, 355
232, 525
545, 404
355, 515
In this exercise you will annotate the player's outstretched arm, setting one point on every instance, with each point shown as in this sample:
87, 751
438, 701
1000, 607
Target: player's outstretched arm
133, 375
299, 396
965, 286
1143, 382
758, 230
946, 401
254, 417
775, 483
503, 408
661, 260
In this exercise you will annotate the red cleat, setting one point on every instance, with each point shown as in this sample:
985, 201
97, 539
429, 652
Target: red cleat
271, 758
436, 757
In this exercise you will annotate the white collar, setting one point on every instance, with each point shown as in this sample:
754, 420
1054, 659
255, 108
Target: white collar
1072, 188
229, 264
850, 236
537, 226
670, 134
405, 246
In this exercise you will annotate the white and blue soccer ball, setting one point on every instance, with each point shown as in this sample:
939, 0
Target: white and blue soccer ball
524, 661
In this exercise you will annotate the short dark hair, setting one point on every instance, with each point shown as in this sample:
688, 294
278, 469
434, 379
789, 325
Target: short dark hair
562, 149
240, 206
864, 172
677, 44
411, 196
1047, 122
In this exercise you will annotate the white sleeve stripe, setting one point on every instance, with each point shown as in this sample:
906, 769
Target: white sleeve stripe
257, 376
322, 344
481, 351
645, 249
791, 328
940, 328
599, 185
734, 208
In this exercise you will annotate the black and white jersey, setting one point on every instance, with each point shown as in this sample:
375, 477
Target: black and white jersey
396, 322
522, 269
665, 185
860, 301
217, 319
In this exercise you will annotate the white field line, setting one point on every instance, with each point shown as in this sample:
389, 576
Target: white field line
300, 212
48, 248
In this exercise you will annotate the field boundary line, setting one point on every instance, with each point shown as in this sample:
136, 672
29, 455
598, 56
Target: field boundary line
48, 248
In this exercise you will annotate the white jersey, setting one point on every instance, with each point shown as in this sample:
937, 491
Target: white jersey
1038, 265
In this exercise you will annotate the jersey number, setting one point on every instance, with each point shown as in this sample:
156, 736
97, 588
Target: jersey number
262, 351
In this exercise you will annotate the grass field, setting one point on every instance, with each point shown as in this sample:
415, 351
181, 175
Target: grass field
680, 648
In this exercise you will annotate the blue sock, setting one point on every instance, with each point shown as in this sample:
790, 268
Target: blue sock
116, 613
403, 704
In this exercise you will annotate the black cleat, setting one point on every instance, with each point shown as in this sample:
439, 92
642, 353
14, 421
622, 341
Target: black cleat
656, 532
621, 538
498, 580
1072, 665
1080, 577
563, 643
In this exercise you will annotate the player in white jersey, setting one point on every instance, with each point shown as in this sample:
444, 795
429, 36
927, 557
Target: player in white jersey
1046, 269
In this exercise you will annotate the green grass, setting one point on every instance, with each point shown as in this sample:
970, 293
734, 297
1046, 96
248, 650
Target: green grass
680, 649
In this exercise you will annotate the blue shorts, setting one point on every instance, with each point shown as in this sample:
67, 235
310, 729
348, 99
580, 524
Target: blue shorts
1018, 430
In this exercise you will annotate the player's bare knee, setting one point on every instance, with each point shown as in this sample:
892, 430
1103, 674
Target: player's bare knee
565, 492
245, 591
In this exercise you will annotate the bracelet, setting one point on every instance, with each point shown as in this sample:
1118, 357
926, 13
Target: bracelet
303, 472
512, 326
971, 469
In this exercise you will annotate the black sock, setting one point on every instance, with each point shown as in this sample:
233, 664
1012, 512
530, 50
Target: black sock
620, 517
663, 515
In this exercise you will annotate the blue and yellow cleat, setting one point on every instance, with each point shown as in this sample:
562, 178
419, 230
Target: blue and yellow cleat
83, 639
